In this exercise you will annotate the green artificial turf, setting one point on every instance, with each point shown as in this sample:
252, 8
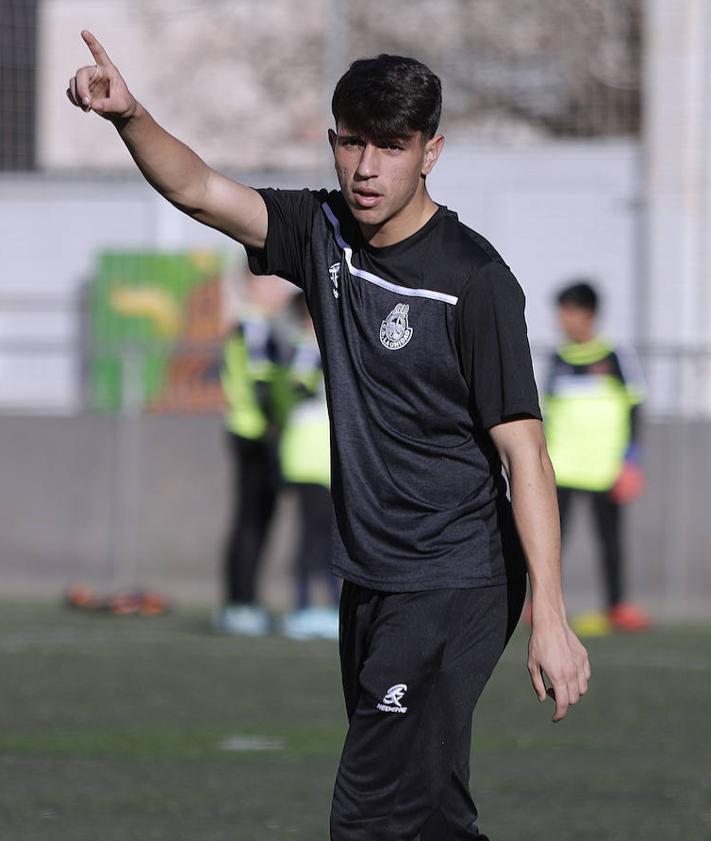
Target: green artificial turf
126, 729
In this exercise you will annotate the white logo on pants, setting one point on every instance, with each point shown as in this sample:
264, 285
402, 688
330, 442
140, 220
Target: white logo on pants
391, 699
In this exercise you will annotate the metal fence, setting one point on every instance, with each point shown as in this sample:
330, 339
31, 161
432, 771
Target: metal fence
140, 494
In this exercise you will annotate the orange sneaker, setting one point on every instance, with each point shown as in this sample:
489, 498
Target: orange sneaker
629, 617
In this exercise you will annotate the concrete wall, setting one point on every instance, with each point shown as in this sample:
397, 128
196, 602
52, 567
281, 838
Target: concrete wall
70, 510
677, 185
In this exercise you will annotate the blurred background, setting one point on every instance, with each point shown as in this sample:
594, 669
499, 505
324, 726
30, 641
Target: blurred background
578, 142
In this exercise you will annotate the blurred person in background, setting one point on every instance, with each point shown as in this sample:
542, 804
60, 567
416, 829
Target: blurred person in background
253, 385
592, 421
431, 393
305, 461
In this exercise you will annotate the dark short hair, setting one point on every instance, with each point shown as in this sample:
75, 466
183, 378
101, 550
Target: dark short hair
387, 97
581, 295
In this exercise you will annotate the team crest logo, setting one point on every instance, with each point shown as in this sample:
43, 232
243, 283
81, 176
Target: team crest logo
395, 331
334, 272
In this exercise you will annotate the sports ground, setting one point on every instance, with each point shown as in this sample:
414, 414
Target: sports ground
126, 729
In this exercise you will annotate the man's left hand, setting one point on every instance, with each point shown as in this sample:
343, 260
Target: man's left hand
555, 653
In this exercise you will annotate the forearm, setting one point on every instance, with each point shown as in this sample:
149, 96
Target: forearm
168, 165
553, 650
535, 509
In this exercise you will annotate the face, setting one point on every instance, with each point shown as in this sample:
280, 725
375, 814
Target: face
382, 180
577, 323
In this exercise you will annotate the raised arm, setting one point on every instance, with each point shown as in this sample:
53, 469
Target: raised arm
170, 166
553, 648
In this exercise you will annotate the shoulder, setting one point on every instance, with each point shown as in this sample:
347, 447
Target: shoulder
492, 283
304, 202
476, 266
465, 245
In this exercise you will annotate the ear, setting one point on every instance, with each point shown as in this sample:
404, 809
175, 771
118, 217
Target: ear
433, 149
332, 137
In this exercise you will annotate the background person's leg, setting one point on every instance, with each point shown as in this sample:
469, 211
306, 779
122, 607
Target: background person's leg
565, 497
607, 514
313, 555
301, 559
255, 499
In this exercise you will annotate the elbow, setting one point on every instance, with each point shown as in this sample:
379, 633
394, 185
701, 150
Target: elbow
191, 196
531, 460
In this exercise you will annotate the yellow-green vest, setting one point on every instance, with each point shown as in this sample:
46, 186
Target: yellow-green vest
305, 450
587, 414
251, 363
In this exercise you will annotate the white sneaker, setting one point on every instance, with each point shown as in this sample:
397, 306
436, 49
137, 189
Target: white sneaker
248, 620
311, 623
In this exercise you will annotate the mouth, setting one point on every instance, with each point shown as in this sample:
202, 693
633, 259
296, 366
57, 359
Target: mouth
366, 198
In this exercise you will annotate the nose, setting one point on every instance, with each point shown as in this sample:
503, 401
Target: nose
367, 165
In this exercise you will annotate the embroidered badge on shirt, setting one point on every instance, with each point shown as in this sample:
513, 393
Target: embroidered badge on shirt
395, 331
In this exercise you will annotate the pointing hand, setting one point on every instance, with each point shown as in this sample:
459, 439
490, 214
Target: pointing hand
100, 87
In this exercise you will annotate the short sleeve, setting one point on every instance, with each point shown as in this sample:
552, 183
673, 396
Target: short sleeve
290, 216
492, 343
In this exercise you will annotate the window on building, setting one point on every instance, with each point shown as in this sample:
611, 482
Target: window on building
18, 31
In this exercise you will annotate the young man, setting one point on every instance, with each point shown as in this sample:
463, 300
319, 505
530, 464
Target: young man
592, 405
430, 391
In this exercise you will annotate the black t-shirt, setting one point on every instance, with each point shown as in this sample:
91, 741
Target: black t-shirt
424, 348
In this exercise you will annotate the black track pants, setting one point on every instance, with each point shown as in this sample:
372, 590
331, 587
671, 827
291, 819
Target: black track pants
254, 495
313, 553
413, 667
608, 524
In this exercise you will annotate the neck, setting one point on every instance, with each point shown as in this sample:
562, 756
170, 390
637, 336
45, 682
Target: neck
403, 224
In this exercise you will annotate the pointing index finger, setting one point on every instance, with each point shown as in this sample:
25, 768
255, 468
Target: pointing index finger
99, 53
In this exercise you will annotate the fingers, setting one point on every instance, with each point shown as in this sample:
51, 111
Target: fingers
73, 95
85, 81
569, 688
562, 700
99, 53
564, 663
85, 86
584, 675
539, 686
